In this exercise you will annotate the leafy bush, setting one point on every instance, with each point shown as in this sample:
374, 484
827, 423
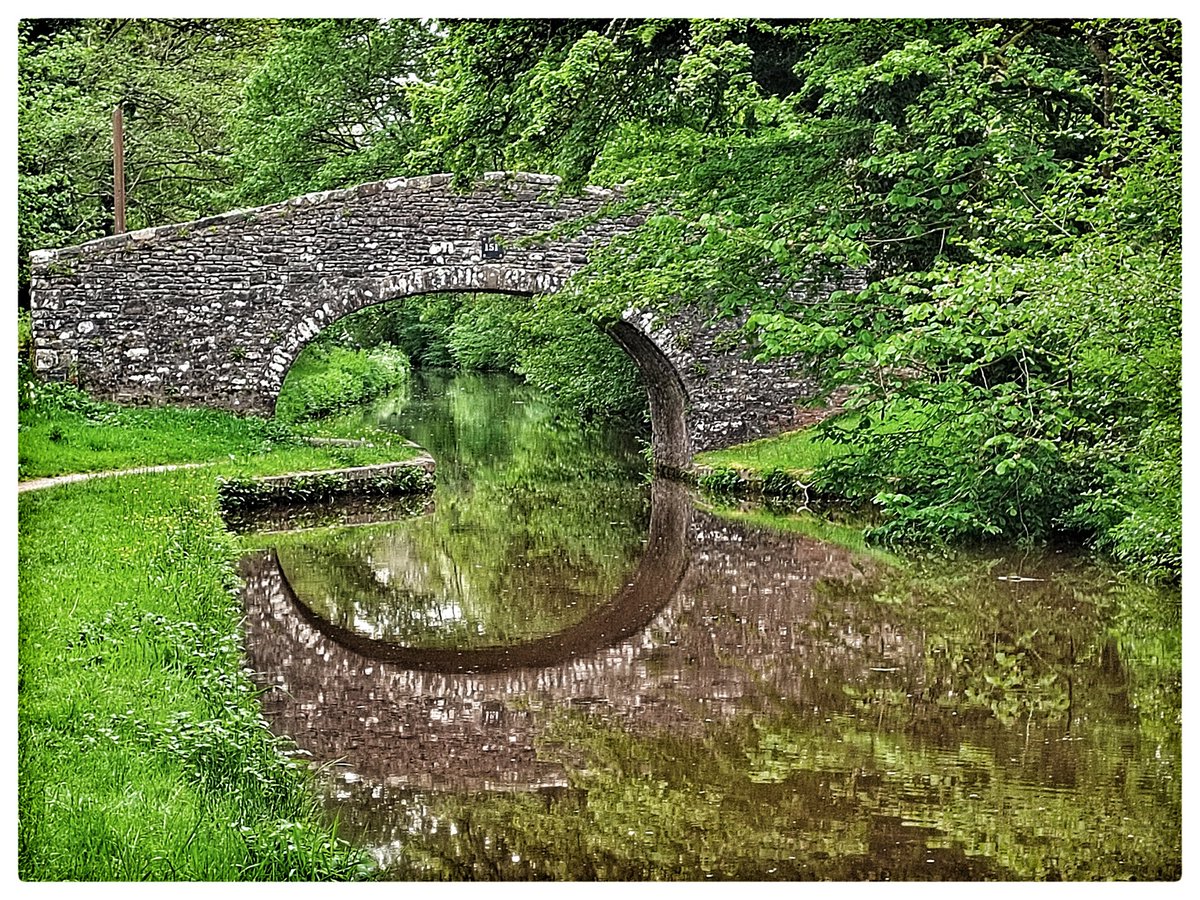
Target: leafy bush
567, 356
42, 398
24, 334
722, 481
327, 377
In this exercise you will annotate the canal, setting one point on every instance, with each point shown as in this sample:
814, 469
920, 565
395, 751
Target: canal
555, 668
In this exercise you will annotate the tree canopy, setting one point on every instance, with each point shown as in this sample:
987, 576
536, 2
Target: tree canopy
1005, 193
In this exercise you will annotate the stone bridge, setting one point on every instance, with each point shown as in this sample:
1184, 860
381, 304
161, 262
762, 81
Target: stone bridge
214, 312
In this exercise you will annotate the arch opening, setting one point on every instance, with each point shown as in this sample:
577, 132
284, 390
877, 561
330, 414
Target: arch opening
664, 388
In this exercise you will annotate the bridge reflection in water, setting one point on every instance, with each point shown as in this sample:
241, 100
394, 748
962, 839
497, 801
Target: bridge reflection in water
750, 704
690, 639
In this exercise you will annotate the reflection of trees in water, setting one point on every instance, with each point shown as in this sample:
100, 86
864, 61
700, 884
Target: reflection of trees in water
1058, 643
534, 526
489, 429
785, 796
639, 829
789, 712
768, 706
491, 567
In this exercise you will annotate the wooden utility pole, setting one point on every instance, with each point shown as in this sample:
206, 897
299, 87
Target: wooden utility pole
118, 172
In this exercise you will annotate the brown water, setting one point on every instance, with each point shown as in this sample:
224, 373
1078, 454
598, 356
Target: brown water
558, 671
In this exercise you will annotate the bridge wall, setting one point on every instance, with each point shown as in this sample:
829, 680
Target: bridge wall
213, 312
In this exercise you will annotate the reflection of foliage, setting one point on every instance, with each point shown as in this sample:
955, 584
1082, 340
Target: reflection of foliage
1147, 634
1015, 728
796, 795
535, 526
974, 798
1020, 647
1015, 687
471, 574
1022, 723
1037, 738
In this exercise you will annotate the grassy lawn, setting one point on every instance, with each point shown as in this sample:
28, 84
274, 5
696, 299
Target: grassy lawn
141, 751
120, 438
793, 451
63, 431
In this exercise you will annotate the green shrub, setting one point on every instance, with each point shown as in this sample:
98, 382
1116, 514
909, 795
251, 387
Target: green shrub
24, 333
327, 377
721, 481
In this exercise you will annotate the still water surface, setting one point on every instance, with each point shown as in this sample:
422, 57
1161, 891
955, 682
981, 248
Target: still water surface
557, 670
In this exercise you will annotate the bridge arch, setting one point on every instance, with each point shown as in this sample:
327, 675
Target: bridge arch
665, 388
213, 312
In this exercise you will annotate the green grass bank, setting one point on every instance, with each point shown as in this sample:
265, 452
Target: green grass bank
141, 751
775, 469
142, 754
62, 430
806, 470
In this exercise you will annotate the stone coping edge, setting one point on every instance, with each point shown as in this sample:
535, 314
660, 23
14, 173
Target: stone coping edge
777, 485
410, 476
41, 258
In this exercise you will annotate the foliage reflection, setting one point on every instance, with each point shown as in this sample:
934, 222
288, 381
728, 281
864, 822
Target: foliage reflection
511, 550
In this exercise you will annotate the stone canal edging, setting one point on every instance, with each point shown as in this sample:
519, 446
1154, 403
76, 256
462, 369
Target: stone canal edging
410, 476
778, 485
406, 476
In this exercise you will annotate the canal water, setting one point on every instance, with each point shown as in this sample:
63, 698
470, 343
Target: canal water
556, 669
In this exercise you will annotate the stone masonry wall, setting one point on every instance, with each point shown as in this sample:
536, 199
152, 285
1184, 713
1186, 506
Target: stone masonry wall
213, 312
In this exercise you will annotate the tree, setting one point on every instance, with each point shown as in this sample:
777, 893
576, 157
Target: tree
1008, 191
328, 106
176, 80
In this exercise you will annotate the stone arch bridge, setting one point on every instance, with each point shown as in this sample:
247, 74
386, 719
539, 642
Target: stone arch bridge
213, 312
